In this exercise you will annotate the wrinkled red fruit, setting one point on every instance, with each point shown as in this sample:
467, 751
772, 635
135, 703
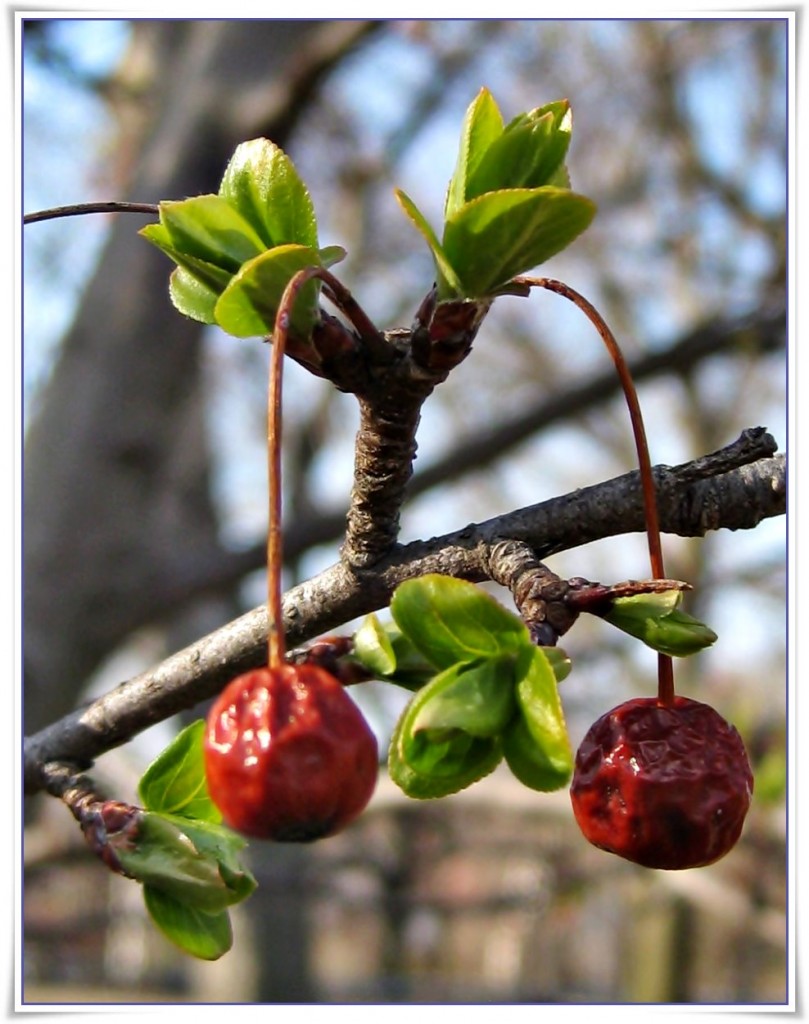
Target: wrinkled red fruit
289, 755
665, 787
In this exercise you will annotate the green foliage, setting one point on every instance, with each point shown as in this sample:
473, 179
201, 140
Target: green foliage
536, 744
449, 620
490, 690
509, 206
657, 620
188, 862
174, 783
237, 250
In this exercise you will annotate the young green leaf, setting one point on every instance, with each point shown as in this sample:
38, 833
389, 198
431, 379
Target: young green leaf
482, 125
450, 620
501, 234
559, 662
210, 229
536, 743
248, 306
174, 783
261, 182
331, 254
676, 634
191, 297
373, 647
449, 285
194, 862
386, 651
209, 274
448, 736
527, 154
436, 766
477, 698
205, 936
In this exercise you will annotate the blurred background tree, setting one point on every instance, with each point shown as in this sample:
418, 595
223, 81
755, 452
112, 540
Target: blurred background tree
144, 433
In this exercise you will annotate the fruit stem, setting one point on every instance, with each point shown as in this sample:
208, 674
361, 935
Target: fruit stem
665, 669
276, 644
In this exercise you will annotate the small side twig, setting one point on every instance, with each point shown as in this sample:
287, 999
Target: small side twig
79, 209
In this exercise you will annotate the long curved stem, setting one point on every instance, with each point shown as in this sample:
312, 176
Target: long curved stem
276, 643
665, 666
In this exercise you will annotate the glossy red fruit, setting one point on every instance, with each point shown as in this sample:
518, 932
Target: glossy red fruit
665, 787
289, 755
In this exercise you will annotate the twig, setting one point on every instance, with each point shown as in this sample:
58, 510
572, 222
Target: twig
79, 209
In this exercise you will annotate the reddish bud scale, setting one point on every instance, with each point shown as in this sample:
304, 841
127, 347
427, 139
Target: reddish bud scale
289, 755
662, 786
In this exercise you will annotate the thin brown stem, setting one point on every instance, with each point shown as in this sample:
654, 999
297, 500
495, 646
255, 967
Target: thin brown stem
79, 209
664, 663
276, 645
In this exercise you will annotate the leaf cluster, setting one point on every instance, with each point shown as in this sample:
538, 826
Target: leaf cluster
189, 863
237, 250
484, 691
509, 206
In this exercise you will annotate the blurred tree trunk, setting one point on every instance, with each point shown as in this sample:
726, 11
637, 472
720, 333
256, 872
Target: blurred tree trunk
117, 505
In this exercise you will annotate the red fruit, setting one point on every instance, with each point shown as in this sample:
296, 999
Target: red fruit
288, 754
663, 786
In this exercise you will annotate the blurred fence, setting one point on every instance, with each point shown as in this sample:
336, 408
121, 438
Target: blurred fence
491, 895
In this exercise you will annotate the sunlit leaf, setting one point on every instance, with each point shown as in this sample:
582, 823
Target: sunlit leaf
248, 306
448, 283
536, 743
477, 698
501, 234
482, 125
209, 228
175, 783
527, 154
261, 182
451, 620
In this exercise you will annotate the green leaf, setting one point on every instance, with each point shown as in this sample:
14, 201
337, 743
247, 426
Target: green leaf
248, 306
501, 234
386, 651
331, 254
536, 743
527, 154
175, 782
559, 662
206, 936
428, 764
450, 620
191, 297
208, 228
477, 698
261, 182
194, 862
654, 605
449, 285
676, 634
482, 125
448, 736
373, 647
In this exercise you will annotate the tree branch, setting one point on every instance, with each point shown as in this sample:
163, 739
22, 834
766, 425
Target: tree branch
761, 332
735, 488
